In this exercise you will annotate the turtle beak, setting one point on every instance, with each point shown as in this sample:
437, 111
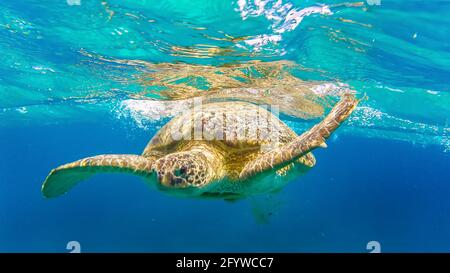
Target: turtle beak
166, 179
169, 180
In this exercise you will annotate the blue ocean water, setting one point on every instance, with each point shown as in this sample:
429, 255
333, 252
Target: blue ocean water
72, 83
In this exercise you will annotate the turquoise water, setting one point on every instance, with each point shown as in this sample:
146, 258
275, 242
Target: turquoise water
73, 84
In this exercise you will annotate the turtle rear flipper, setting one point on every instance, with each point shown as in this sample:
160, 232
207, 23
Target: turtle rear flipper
65, 177
304, 143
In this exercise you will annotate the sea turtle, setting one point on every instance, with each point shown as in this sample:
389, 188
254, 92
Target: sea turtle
226, 150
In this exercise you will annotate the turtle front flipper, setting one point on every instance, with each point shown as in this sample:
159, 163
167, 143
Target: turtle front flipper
65, 177
304, 143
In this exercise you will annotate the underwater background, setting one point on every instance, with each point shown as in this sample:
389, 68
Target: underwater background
73, 83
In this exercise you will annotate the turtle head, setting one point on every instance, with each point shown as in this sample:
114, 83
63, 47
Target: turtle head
183, 170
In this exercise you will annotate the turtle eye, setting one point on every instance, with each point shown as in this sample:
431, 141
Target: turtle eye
181, 172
